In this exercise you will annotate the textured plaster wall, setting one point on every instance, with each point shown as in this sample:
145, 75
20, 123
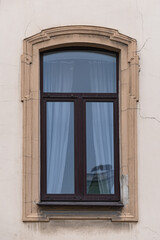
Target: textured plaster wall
137, 18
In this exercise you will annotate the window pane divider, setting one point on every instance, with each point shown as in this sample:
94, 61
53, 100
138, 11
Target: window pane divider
82, 95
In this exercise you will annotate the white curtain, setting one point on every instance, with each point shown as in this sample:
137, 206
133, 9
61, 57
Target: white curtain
58, 77
102, 74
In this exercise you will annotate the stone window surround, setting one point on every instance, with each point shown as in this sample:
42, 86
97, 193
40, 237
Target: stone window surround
106, 38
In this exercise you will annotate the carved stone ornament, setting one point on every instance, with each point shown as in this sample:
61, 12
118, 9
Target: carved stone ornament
92, 36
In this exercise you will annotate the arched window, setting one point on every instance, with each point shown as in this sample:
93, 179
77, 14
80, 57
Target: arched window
79, 94
79, 127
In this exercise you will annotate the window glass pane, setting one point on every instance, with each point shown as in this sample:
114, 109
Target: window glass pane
60, 147
100, 148
79, 72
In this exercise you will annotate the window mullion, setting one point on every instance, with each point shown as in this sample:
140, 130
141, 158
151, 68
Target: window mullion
79, 148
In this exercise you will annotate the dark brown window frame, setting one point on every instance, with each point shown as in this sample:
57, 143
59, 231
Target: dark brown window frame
80, 99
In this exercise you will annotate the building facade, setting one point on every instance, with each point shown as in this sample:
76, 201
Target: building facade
122, 22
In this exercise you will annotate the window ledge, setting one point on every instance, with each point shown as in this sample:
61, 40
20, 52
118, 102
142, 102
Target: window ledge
106, 204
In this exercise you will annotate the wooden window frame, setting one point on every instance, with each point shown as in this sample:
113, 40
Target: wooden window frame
92, 37
79, 100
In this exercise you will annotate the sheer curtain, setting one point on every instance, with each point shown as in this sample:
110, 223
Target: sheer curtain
58, 75
103, 78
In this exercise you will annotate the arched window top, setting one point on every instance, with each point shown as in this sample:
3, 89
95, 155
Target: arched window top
83, 36
85, 70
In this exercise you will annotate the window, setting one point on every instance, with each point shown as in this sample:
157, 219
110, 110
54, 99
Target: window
79, 127
79, 132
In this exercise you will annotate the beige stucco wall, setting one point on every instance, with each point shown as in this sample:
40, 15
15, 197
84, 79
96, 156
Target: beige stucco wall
136, 18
